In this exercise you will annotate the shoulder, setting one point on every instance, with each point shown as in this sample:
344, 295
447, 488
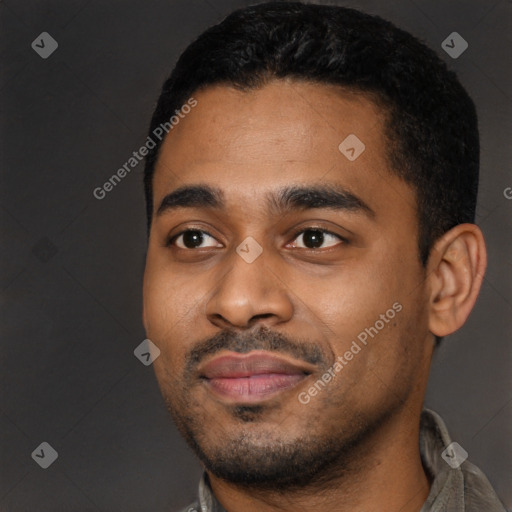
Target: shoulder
193, 507
461, 486
478, 492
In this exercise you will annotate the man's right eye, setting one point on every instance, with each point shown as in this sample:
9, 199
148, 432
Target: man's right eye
193, 239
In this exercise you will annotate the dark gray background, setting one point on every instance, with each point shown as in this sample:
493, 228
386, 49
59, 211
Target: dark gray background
72, 265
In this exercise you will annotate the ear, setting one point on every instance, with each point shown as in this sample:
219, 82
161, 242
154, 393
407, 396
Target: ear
455, 271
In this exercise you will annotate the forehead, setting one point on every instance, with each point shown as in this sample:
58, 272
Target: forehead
285, 132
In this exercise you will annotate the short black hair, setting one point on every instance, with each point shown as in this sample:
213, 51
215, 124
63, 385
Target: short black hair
431, 122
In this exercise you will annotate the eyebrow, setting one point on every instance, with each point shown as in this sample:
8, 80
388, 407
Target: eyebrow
290, 198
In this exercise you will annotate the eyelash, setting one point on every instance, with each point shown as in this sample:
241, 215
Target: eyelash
171, 240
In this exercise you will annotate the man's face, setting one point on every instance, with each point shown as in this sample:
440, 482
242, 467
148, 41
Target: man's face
243, 341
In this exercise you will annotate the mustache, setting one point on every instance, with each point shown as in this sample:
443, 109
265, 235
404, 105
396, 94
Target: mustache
261, 339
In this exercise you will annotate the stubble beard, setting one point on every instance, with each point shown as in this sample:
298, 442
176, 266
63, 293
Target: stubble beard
267, 459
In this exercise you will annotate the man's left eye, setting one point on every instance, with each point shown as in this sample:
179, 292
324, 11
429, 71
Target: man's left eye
313, 238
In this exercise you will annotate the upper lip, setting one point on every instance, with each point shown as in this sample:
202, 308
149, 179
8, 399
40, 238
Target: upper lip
236, 365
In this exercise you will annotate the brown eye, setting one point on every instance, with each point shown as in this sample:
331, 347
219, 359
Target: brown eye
193, 239
315, 238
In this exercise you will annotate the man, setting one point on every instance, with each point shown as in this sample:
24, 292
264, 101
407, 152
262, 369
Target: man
311, 202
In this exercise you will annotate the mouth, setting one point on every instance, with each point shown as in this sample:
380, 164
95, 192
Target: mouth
252, 377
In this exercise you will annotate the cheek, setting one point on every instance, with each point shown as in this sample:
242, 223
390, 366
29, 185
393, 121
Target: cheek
165, 313
168, 305
366, 302
350, 299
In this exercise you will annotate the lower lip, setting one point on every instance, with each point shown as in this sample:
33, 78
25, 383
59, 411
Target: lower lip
255, 387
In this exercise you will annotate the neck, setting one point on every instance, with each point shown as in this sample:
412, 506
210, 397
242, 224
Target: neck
387, 474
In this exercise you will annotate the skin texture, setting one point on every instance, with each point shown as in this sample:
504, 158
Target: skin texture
354, 445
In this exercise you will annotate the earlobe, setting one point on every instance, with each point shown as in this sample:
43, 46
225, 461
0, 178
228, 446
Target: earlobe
455, 269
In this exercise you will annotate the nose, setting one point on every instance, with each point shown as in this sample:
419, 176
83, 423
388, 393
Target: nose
249, 293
